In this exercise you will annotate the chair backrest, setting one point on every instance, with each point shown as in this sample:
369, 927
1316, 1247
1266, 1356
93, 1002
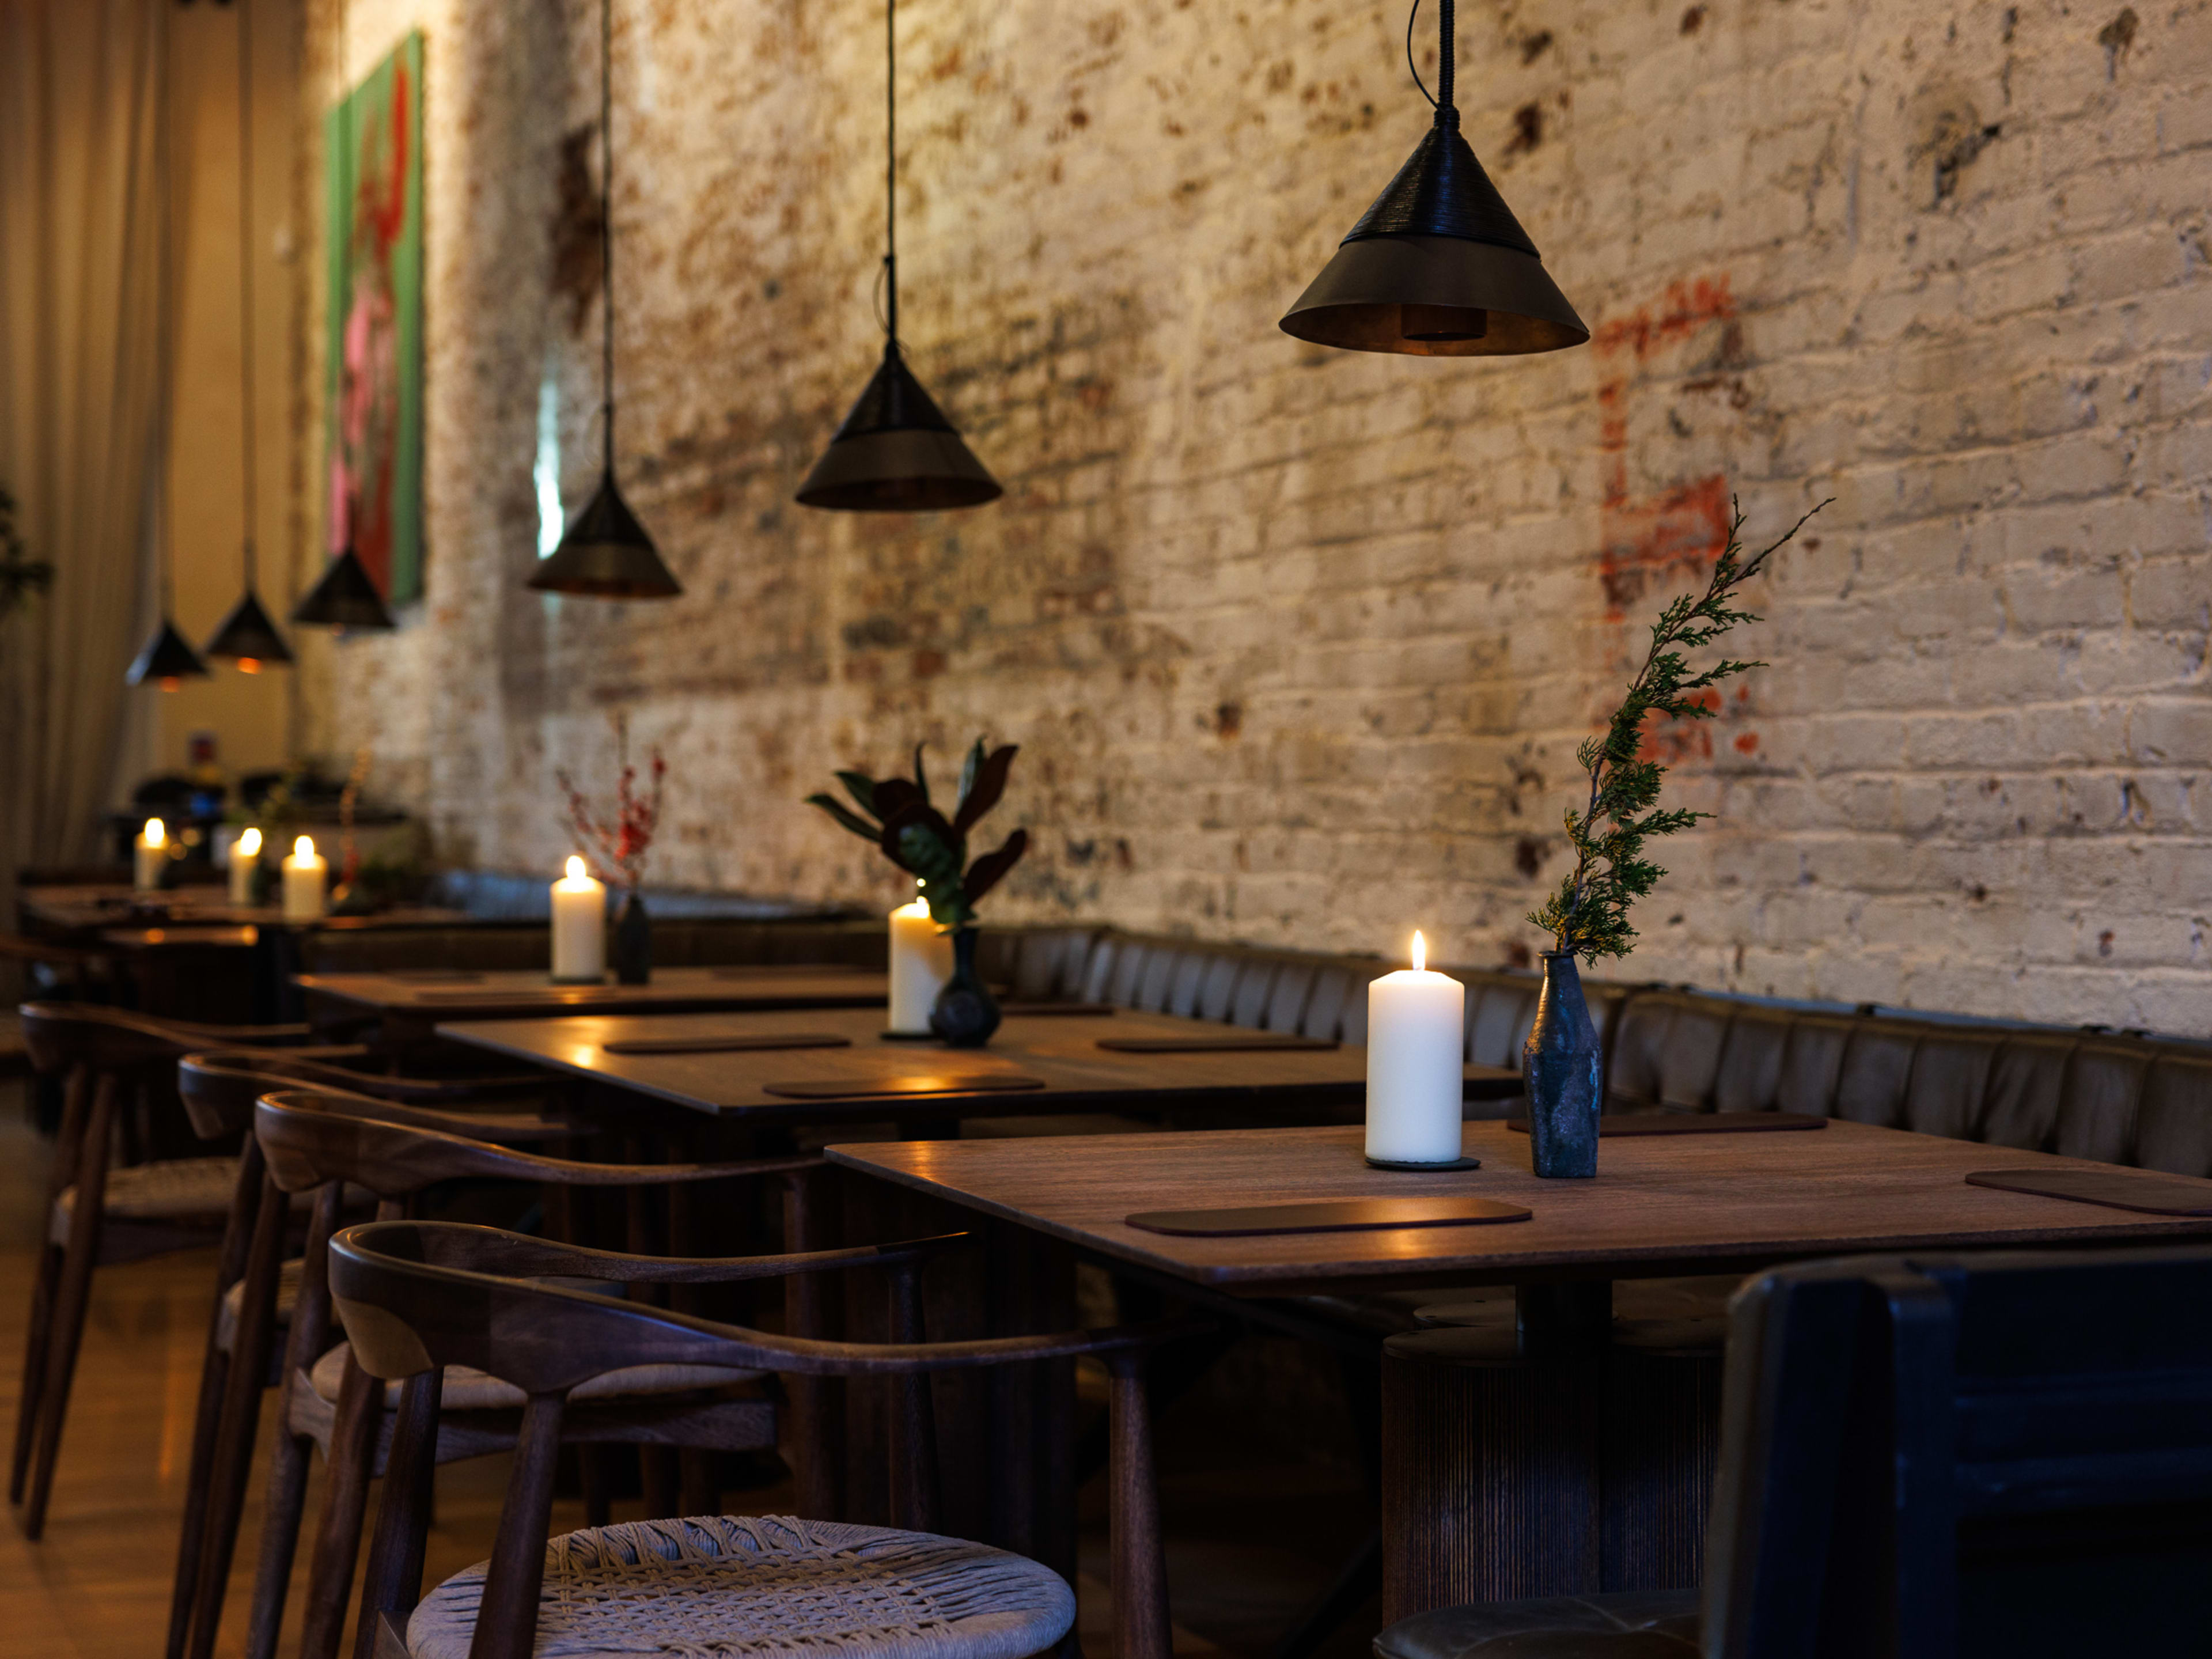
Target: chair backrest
1948, 1457
62, 1034
219, 1091
314, 1138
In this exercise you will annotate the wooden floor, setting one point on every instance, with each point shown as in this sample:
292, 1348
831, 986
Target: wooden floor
1245, 1548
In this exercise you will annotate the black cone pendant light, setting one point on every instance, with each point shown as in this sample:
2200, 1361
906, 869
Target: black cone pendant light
167, 658
896, 452
1438, 266
246, 637
604, 552
345, 596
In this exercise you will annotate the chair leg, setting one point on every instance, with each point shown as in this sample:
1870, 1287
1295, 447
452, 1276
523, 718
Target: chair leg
231, 1461
280, 1542
37, 1333
35, 1344
345, 1505
71, 1297
1141, 1577
392, 1584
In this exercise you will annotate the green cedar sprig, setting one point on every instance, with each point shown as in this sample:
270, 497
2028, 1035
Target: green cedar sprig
1589, 915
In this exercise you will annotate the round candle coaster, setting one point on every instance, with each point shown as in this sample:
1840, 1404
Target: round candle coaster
1425, 1168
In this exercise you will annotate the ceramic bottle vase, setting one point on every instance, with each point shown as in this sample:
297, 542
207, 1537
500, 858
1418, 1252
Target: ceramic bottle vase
1562, 1073
965, 1013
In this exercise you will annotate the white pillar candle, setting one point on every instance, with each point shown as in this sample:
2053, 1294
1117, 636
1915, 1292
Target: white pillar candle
922, 960
149, 855
303, 882
579, 928
1416, 1032
245, 858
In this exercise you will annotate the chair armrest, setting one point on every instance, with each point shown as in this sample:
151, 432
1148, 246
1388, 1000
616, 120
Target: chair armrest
515, 1255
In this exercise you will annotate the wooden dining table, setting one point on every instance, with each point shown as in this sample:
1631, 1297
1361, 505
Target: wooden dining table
1661, 1205
410, 1005
823, 1064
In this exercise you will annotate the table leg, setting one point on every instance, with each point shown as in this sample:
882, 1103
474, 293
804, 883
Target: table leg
1492, 1485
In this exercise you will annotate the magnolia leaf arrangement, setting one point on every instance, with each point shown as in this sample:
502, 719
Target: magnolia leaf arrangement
1588, 917
895, 814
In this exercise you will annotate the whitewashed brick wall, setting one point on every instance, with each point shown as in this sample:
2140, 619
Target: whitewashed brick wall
1299, 644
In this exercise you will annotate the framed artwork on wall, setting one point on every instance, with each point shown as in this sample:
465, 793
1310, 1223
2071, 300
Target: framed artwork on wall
372, 346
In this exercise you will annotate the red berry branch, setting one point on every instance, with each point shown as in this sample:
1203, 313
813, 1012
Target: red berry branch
615, 847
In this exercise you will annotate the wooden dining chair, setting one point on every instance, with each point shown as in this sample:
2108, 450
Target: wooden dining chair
322, 1144
1996, 1455
218, 1091
115, 1065
419, 1298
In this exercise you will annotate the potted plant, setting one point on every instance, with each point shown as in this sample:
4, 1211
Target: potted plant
895, 814
615, 850
1561, 1063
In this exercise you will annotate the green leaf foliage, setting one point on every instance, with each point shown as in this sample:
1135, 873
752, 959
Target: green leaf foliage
1588, 914
895, 814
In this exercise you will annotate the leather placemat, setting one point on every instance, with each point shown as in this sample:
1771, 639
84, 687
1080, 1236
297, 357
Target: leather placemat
2148, 1195
1099, 1009
1345, 1215
786, 969
1213, 1045
724, 1045
1691, 1123
435, 976
888, 1087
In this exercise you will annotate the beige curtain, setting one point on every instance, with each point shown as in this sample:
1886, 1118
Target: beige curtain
81, 154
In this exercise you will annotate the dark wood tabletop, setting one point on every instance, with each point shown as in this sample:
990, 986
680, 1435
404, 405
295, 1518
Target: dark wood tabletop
1060, 1051
524, 994
118, 908
1659, 1204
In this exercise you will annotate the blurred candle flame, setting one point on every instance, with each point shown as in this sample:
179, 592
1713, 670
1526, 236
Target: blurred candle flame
1420, 953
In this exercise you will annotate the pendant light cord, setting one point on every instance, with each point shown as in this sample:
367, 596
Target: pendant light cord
246, 277
353, 193
165, 366
607, 229
1447, 111
890, 171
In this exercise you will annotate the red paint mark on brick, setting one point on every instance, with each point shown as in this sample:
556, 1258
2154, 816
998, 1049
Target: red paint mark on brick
1677, 534
1748, 743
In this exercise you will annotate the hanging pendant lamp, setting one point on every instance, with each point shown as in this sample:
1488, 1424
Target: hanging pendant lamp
167, 658
604, 552
246, 637
345, 596
896, 452
1438, 266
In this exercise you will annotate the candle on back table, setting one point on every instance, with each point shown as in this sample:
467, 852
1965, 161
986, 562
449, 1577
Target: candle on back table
922, 960
1416, 1034
245, 856
579, 928
149, 855
304, 872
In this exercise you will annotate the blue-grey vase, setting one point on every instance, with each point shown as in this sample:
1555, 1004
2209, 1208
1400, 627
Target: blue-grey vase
965, 1013
1562, 1070
633, 942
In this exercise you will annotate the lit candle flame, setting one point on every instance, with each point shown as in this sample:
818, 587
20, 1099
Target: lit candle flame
576, 873
1420, 953
249, 844
304, 848
157, 833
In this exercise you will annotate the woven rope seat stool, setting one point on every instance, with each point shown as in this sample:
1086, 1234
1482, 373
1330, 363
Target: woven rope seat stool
767, 1584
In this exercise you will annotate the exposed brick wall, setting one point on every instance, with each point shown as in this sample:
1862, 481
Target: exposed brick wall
1299, 644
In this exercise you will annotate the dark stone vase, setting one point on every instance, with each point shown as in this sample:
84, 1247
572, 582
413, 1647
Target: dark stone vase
965, 1013
633, 942
1561, 1070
